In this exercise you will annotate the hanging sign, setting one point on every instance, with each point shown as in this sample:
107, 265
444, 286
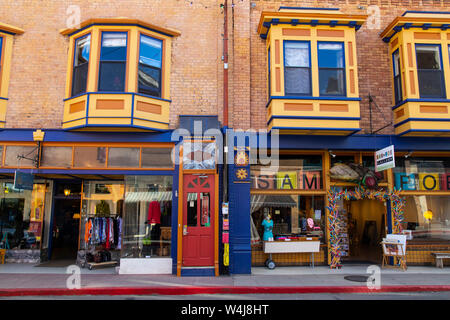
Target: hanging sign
384, 159
23, 180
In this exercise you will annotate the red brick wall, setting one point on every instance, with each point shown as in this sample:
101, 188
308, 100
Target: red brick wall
38, 71
39, 60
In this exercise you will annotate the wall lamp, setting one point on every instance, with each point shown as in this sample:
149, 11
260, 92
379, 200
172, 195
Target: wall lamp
331, 153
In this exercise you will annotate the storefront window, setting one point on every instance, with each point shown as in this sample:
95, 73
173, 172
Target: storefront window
89, 157
101, 216
428, 218
292, 216
294, 172
147, 219
21, 216
422, 173
56, 157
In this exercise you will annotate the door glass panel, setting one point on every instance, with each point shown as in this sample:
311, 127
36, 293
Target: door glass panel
205, 216
192, 209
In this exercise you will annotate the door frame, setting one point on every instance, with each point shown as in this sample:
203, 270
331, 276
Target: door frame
182, 173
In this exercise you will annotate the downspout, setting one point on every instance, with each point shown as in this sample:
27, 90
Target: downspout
225, 64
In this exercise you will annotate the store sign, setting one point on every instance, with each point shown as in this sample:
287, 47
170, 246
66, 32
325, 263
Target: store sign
422, 181
287, 180
23, 181
384, 159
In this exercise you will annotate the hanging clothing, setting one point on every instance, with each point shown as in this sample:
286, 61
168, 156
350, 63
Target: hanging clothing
88, 231
154, 212
119, 241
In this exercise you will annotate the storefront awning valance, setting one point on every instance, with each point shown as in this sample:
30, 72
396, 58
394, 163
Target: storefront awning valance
148, 196
274, 201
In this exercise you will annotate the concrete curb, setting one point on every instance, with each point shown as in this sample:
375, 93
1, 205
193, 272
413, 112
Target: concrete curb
215, 290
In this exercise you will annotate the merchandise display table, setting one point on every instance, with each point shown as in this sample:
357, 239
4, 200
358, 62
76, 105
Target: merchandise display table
292, 246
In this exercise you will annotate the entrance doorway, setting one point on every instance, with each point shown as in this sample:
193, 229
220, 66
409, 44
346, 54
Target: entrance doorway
66, 221
198, 220
366, 221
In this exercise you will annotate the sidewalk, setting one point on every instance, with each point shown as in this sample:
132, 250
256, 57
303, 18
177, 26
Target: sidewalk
20, 280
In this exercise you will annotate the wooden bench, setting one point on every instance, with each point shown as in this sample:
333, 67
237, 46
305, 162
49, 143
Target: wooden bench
439, 256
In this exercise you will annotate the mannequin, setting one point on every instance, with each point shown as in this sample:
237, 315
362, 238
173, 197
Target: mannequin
268, 226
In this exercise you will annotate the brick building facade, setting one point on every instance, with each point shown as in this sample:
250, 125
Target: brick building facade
106, 153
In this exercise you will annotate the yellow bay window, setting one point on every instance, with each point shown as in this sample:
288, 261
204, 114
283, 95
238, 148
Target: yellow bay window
118, 76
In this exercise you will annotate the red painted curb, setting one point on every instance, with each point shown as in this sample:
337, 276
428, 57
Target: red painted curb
214, 290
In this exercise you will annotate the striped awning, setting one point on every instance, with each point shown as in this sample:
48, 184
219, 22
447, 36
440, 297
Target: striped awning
148, 196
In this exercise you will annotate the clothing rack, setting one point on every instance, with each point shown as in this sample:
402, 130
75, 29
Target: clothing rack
98, 231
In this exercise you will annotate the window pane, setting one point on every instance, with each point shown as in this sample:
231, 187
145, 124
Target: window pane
82, 50
297, 81
331, 81
79, 79
157, 158
148, 217
27, 151
428, 57
192, 209
89, 157
112, 76
427, 217
430, 83
205, 217
123, 157
22, 217
114, 46
331, 55
290, 214
149, 80
150, 52
396, 64
296, 54
56, 157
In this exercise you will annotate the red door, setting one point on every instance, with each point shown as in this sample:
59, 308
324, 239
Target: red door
198, 220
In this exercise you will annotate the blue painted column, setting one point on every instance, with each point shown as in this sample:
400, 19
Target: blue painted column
239, 212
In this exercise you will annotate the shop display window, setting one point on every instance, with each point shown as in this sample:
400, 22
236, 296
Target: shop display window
427, 218
422, 173
101, 215
293, 216
21, 216
294, 172
147, 217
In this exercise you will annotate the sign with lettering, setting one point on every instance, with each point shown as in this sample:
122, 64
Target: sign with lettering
445, 181
429, 181
405, 181
286, 180
384, 159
